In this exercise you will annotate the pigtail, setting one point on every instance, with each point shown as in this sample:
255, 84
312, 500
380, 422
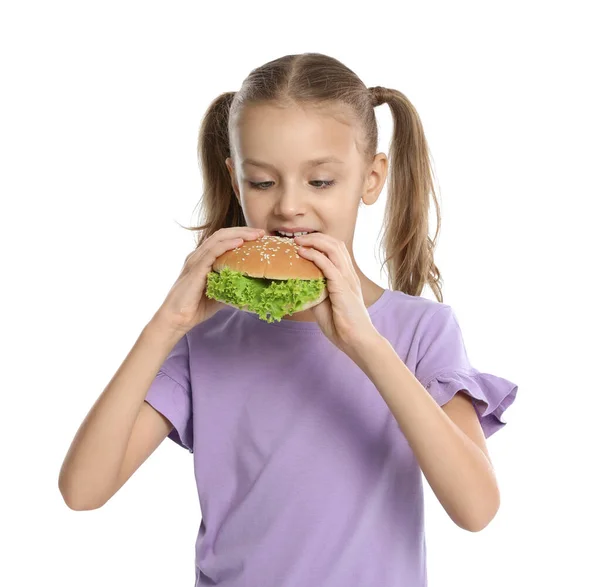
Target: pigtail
406, 243
218, 206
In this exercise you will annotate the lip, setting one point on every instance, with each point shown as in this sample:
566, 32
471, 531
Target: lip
292, 229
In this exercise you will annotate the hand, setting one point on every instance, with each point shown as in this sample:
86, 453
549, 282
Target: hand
343, 316
186, 304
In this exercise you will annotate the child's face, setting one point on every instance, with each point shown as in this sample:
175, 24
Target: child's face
292, 192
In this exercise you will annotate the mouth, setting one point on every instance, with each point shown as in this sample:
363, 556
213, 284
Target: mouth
289, 234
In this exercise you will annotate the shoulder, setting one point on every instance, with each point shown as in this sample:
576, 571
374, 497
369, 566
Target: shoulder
416, 310
412, 322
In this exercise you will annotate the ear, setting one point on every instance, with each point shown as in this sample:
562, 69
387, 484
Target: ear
375, 177
234, 184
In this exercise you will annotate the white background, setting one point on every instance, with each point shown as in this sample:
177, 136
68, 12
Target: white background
101, 104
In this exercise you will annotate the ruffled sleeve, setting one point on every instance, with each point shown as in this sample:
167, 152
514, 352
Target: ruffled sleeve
170, 394
444, 369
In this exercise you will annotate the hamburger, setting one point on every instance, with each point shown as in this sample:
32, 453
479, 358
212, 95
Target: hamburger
266, 276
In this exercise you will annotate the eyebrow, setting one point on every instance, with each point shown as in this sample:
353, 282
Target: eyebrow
310, 163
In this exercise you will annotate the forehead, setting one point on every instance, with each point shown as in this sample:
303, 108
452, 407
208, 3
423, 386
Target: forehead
291, 135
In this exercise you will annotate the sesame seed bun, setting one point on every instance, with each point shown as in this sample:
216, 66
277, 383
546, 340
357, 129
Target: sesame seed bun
269, 257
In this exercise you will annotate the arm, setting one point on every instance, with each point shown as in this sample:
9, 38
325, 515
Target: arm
448, 442
121, 430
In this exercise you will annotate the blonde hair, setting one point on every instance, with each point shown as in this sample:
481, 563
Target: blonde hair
314, 79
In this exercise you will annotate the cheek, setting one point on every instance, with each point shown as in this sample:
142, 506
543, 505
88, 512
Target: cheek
253, 207
343, 207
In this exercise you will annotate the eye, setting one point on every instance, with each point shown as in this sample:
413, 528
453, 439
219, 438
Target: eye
257, 185
328, 183
261, 184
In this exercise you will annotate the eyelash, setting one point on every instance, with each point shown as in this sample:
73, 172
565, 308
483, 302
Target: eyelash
328, 184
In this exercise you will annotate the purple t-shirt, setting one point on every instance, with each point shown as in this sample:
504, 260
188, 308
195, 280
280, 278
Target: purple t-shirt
304, 476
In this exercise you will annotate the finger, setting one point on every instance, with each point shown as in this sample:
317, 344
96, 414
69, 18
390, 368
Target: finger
325, 244
245, 232
336, 251
208, 254
235, 237
242, 233
330, 271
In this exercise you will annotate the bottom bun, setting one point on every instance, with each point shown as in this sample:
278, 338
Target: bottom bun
305, 306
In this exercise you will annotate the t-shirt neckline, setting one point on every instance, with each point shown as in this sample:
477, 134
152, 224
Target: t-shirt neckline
379, 303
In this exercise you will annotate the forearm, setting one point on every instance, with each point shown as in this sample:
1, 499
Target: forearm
96, 453
458, 472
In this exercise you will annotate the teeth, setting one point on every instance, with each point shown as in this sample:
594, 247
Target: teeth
292, 234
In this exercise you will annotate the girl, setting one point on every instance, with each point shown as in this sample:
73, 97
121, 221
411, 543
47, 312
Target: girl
309, 434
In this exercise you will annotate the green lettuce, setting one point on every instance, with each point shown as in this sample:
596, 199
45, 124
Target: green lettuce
271, 299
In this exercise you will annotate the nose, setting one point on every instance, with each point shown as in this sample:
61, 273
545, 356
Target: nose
289, 203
